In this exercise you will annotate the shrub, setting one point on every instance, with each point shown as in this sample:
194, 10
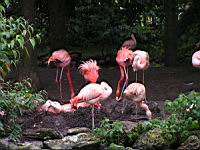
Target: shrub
15, 99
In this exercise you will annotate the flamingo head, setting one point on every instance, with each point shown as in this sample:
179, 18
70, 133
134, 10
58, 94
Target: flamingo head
52, 58
90, 70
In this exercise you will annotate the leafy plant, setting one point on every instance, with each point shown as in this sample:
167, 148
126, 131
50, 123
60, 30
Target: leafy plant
185, 106
14, 34
111, 132
15, 99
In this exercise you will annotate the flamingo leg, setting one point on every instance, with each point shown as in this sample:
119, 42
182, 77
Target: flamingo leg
60, 90
92, 116
124, 106
70, 81
136, 110
136, 76
146, 108
119, 82
61, 74
60, 83
57, 74
74, 101
143, 76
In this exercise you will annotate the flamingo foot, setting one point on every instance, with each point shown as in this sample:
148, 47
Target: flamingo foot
118, 99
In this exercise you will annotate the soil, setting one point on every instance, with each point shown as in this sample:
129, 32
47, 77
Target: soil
161, 84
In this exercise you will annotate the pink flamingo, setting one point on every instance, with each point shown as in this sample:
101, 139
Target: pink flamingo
124, 59
92, 94
90, 70
140, 62
62, 60
196, 59
55, 107
137, 93
131, 43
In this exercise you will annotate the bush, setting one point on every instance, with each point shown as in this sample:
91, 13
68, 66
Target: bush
183, 122
15, 99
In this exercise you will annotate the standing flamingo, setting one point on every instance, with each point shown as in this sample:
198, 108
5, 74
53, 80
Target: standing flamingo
131, 43
137, 93
140, 62
62, 60
90, 70
124, 59
92, 94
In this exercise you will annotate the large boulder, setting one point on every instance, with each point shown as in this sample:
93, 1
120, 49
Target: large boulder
80, 141
193, 142
154, 139
42, 134
32, 145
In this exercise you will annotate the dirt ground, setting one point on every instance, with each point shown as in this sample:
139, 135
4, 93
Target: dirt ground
161, 84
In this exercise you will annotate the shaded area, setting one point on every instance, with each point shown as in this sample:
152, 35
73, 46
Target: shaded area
161, 84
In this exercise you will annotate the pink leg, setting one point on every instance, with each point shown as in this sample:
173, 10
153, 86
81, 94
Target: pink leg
119, 82
146, 108
74, 101
60, 84
125, 83
57, 74
70, 82
61, 74
92, 116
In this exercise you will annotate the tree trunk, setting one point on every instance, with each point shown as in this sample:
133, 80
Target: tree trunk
57, 24
27, 67
170, 58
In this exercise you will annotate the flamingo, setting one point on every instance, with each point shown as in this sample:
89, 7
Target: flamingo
140, 62
92, 94
137, 93
90, 70
124, 59
196, 59
131, 43
62, 60
55, 107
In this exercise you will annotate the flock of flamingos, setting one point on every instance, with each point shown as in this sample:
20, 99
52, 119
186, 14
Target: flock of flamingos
93, 93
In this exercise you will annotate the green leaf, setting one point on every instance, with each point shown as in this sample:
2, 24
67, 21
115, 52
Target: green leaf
32, 40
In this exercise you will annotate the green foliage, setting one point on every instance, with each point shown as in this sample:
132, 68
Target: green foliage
183, 122
111, 132
15, 33
185, 106
15, 99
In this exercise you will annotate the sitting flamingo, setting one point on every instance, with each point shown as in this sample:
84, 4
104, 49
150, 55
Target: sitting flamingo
62, 60
55, 107
92, 94
137, 93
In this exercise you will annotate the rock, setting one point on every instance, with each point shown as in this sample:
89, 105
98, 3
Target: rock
79, 141
21, 146
115, 109
193, 142
129, 125
113, 146
154, 139
77, 130
42, 134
